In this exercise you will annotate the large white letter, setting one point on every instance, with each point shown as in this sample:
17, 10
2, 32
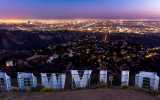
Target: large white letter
124, 78
26, 79
5, 81
53, 81
81, 82
153, 80
103, 76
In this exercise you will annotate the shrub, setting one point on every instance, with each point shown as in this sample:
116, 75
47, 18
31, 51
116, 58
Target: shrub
46, 90
37, 89
124, 87
15, 89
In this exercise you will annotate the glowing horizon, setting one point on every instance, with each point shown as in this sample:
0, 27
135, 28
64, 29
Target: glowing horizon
68, 9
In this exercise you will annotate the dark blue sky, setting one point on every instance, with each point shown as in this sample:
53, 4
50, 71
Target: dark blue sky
44, 9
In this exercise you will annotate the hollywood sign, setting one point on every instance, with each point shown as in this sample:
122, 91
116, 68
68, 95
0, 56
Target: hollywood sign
57, 81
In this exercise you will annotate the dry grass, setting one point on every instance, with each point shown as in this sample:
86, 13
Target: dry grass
90, 94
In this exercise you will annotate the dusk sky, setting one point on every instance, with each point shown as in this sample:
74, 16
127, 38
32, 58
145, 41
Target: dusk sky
50, 9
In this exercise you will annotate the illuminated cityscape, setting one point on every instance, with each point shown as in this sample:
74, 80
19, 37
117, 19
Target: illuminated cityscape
85, 25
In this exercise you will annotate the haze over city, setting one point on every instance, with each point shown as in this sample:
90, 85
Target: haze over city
62, 9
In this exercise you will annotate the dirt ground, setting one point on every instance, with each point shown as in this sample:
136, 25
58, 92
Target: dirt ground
92, 94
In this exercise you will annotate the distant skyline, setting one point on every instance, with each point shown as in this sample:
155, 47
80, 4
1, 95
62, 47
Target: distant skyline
63, 9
